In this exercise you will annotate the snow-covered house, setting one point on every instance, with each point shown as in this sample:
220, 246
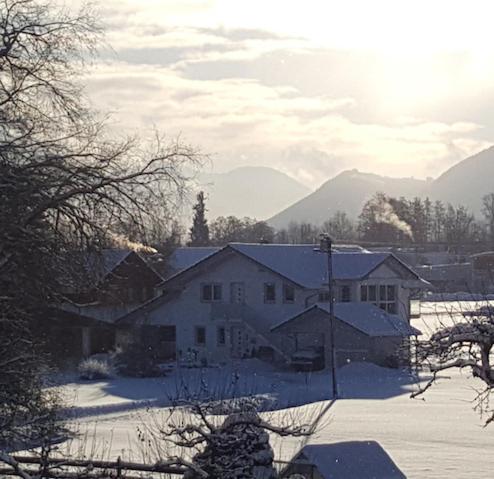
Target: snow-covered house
272, 300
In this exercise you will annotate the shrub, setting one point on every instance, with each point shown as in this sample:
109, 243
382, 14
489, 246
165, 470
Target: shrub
392, 361
93, 368
137, 360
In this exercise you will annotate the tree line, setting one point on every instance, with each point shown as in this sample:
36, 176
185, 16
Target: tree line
383, 219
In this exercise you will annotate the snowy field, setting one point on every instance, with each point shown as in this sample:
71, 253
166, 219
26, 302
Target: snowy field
445, 313
437, 437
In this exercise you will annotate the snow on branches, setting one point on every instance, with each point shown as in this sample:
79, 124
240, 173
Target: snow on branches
467, 343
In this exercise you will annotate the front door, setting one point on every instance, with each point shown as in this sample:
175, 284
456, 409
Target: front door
239, 342
237, 293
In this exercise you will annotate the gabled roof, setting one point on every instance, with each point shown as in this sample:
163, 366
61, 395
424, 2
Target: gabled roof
366, 317
304, 265
100, 265
307, 266
111, 258
183, 258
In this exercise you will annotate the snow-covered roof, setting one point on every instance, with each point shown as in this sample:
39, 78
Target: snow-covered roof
307, 266
109, 259
104, 262
366, 317
351, 460
113, 257
183, 258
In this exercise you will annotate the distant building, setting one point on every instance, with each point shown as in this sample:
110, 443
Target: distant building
449, 278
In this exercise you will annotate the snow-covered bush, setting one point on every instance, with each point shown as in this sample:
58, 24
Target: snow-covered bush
238, 449
93, 368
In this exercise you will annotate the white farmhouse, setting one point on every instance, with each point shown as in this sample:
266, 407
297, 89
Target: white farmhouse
271, 301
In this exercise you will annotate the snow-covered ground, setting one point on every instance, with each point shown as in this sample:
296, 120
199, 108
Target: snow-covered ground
445, 313
436, 438
439, 436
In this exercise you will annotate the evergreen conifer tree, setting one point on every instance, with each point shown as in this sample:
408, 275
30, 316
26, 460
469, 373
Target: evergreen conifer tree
199, 232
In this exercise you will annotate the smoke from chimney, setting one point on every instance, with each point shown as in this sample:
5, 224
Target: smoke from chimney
385, 213
122, 242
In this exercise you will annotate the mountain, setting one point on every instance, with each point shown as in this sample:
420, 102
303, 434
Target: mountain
466, 182
463, 184
347, 192
257, 192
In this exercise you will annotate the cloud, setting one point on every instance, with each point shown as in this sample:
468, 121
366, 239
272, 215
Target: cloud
309, 137
249, 95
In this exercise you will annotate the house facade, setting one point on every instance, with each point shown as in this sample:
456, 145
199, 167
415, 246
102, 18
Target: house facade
247, 300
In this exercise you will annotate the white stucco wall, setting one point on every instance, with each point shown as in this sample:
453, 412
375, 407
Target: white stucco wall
188, 311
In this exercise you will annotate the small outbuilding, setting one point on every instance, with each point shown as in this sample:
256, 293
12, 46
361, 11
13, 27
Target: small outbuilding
363, 332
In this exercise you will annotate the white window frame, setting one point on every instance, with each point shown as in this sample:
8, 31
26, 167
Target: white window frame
214, 287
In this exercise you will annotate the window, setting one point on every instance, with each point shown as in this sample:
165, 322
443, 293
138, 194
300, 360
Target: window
269, 293
363, 293
383, 296
288, 293
372, 293
323, 297
221, 336
200, 336
345, 294
211, 292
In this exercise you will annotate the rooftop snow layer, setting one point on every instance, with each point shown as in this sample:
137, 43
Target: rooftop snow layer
104, 262
307, 266
183, 258
365, 317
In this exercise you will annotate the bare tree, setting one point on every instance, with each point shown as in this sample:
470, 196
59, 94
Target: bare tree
340, 227
465, 343
227, 438
65, 186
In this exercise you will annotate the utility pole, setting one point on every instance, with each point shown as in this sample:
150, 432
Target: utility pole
327, 246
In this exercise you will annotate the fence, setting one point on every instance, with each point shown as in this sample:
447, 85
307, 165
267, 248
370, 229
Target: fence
60, 468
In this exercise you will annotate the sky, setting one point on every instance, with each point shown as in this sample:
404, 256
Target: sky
312, 88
